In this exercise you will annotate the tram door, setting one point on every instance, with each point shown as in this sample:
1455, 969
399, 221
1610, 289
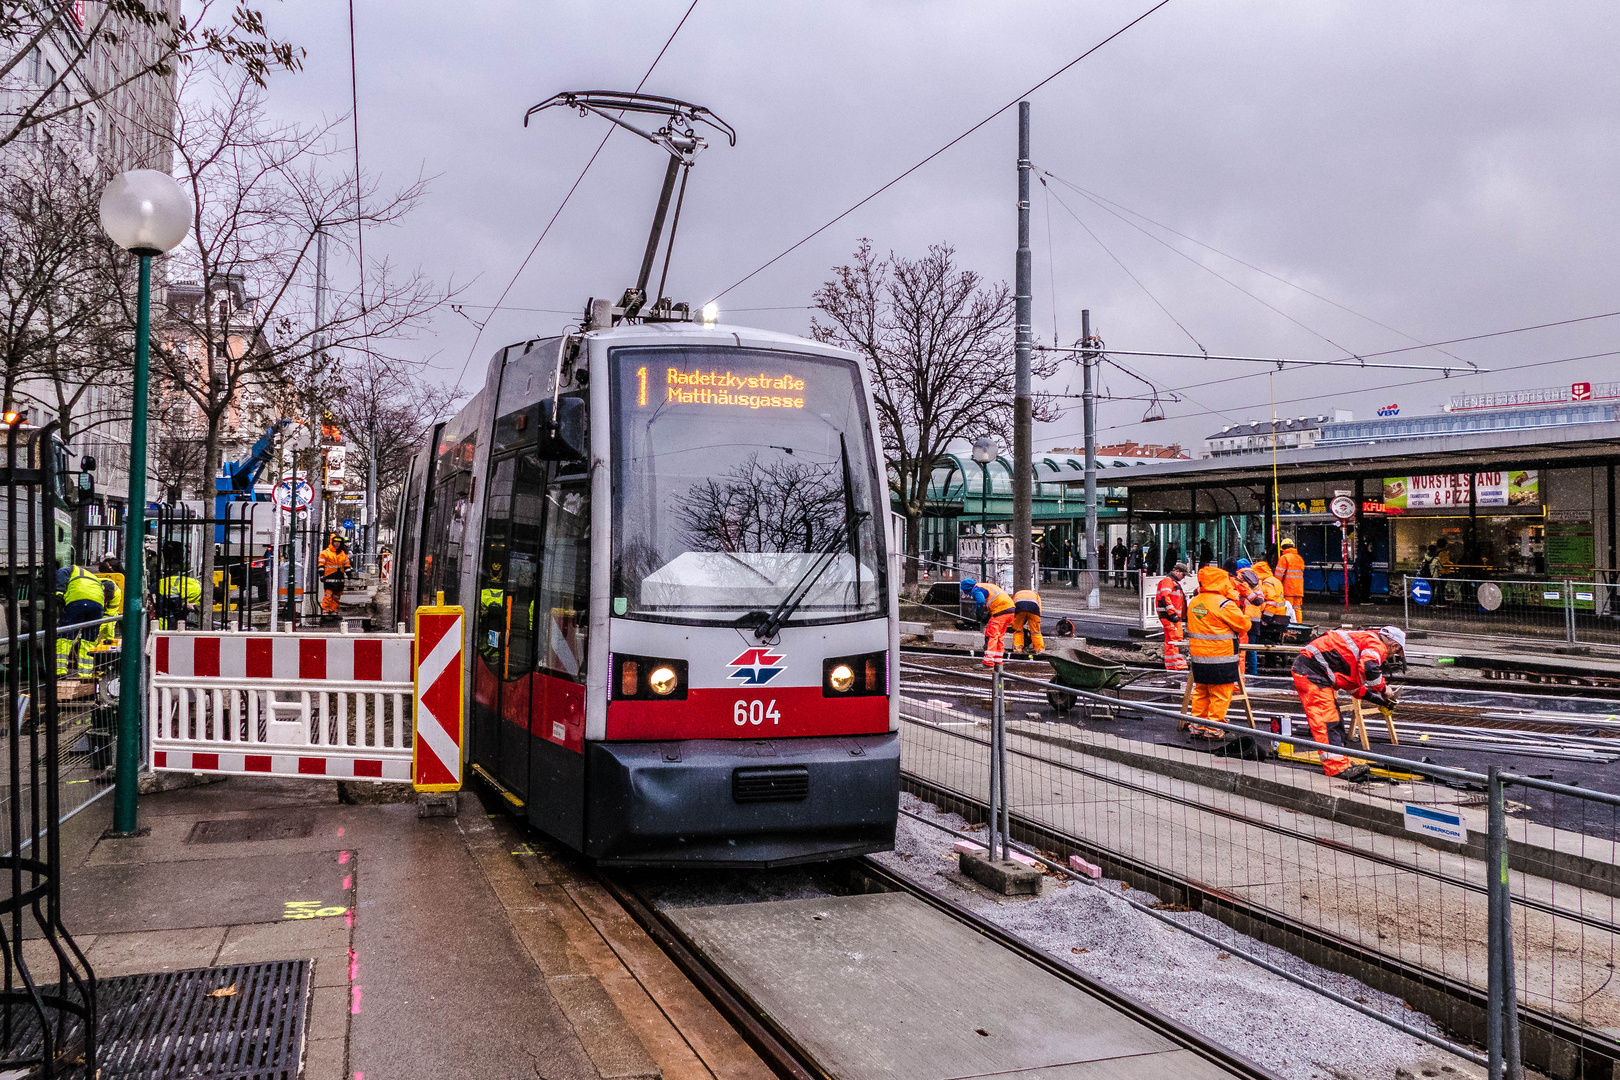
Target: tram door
500, 737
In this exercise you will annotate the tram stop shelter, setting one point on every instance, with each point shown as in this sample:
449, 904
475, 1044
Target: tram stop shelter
1519, 498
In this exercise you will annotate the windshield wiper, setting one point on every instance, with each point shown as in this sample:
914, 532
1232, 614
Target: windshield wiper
850, 530
801, 588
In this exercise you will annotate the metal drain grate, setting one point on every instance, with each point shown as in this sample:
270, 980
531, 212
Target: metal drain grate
248, 830
155, 1027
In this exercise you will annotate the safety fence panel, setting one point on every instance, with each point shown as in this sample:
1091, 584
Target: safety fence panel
1274, 862
333, 705
1556, 610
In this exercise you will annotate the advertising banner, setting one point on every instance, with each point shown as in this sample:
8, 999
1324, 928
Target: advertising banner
1516, 488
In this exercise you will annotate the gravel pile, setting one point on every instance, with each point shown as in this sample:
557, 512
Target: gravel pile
1279, 1025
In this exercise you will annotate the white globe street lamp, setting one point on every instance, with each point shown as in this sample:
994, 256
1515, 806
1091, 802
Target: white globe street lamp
145, 212
985, 450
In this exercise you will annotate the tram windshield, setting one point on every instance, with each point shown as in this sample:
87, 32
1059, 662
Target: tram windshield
740, 475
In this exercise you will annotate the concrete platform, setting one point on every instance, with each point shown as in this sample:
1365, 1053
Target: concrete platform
454, 946
885, 985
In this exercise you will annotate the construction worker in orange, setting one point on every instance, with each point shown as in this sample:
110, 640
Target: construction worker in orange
334, 566
1352, 661
1214, 621
1026, 621
1291, 568
998, 606
1171, 602
1252, 599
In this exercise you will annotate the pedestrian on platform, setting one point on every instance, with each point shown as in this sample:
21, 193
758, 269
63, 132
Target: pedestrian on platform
1214, 620
1352, 661
1171, 602
1026, 621
1133, 567
997, 604
1120, 553
1291, 569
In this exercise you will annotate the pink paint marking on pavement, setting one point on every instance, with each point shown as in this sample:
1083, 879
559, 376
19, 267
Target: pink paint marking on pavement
348, 916
340, 830
343, 857
348, 882
355, 1008
354, 965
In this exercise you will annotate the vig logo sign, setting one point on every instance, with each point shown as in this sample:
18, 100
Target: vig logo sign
756, 667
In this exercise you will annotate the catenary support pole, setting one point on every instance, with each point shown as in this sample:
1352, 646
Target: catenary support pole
130, 691
995, 759
1023, 454
1088, 364
1495, 853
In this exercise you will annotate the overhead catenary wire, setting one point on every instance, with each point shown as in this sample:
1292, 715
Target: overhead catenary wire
1107, 206
773, 260
472, 349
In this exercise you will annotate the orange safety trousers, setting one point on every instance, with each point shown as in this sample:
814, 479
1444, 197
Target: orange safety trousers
995, 633
1174, 634
1026, 628
329, 596
1322, 713
1210, 702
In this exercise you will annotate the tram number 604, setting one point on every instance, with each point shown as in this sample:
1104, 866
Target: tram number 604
754, 712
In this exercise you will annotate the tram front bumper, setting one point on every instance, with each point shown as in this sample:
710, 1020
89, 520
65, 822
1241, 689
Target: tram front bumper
735, 802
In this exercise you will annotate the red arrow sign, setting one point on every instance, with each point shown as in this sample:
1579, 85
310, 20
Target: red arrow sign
440, 699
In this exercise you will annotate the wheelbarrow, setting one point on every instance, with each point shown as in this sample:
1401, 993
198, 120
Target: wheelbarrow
1074, 666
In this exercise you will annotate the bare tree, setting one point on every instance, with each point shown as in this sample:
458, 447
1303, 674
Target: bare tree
385, 409
939, 348
60, 311
261, 191
778, 506
170, 39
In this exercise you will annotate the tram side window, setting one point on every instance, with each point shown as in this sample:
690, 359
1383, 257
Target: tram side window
523, 555
563, 605
493, 611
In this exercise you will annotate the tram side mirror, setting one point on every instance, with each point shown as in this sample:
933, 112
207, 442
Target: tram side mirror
563, 439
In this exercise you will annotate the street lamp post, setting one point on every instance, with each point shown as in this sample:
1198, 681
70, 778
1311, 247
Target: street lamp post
985, 450
146, 213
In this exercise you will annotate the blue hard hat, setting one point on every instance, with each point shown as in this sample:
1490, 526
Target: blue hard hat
1244, 562
968, 584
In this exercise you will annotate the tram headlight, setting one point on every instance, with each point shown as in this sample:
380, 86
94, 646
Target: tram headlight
866, 675
663, 681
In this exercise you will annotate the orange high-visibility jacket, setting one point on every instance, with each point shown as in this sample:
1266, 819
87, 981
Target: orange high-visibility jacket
1291, 568
1171, 600
1273, 588
998, 601
333, 561
1348, 660
1214, 619
1027, 600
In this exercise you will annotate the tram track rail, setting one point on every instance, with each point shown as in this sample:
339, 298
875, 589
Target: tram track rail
784, 1056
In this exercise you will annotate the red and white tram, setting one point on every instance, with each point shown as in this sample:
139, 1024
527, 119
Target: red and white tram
672, 542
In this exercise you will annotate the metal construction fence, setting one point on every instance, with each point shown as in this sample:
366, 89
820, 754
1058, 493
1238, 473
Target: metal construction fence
1391, 884
1583, 612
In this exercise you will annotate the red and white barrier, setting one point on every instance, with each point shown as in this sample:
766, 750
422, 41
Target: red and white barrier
440, 699
333, 705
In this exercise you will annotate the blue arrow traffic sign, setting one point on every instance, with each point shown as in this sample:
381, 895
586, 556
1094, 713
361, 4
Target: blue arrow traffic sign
1421, 591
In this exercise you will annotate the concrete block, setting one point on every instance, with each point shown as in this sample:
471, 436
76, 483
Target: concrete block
374, 792
1080, 866
1004, 876
153, 783
917, 629
436, 804
973, 639
970, 847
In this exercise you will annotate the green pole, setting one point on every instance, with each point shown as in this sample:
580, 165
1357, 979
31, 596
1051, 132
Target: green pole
129, 675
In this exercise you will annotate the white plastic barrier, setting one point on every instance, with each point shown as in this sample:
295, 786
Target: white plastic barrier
333, 705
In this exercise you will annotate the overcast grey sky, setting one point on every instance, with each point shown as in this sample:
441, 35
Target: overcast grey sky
1444, 168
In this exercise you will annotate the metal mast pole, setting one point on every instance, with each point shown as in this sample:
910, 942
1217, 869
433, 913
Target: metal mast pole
1088, 364
317, 477
1023, 454
130, 691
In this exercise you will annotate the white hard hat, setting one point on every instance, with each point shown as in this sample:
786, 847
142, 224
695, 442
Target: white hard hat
1395, 634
